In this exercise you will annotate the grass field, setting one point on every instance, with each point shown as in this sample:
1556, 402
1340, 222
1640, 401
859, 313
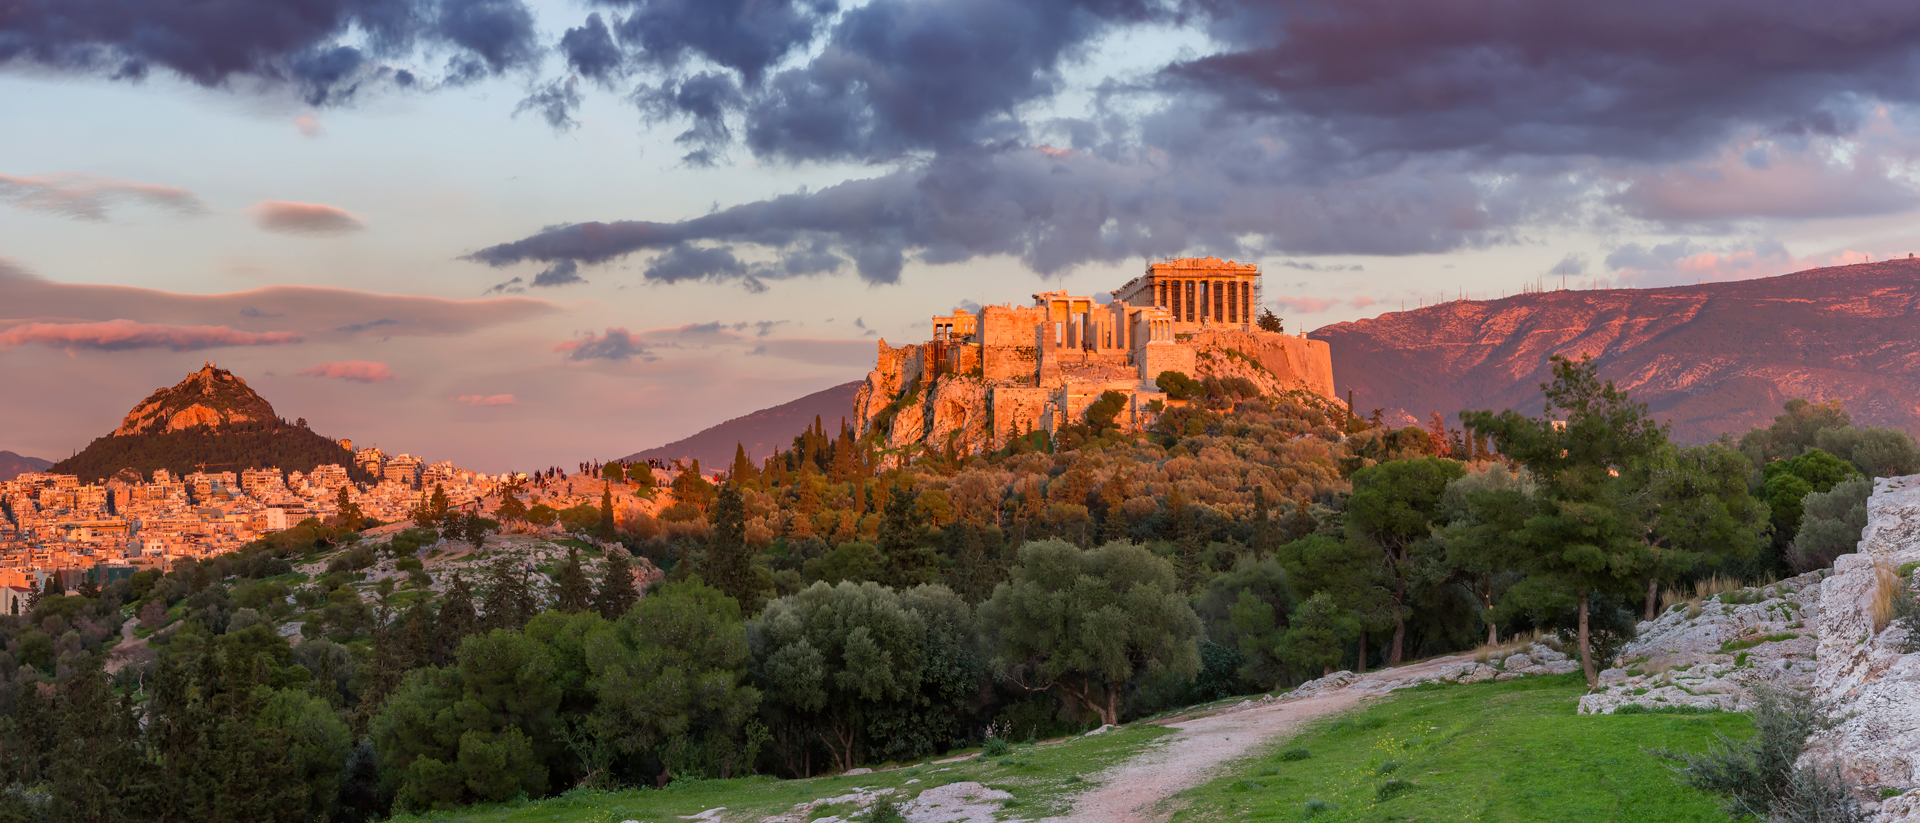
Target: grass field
1513, 751
1042, 779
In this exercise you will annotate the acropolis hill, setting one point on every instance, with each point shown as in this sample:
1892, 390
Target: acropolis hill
1003, 370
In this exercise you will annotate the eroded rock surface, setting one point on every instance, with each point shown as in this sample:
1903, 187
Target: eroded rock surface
1863, 671
1711, 653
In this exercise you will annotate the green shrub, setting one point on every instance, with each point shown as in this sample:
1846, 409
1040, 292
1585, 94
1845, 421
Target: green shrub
995, 747
1758, 776
1316, 806
885, 810
1294, 754
1392, 789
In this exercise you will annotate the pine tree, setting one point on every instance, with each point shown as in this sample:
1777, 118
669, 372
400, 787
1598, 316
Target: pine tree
1301, 522
457, 620
1266, 533
511, 510
573, 593
88, 588
510, 601
617, 593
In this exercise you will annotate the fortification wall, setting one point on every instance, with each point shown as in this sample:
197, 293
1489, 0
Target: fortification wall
1309, 363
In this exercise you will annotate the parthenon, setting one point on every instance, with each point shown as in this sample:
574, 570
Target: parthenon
1038, 366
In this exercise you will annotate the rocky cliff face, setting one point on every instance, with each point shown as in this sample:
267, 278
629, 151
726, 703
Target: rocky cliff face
910, 402
1864, 670
211, 397
1709, 358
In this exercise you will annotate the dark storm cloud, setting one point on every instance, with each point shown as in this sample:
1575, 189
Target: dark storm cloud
1318, 128
746, 36
899, 76
1053, 211
705, 99
562, 273
591, 52
1643, 79
326, 50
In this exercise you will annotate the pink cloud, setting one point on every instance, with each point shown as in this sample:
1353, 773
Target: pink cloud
309, 125
1362, 302
309, 219
359, 371
87, 196
487, 400
124, 335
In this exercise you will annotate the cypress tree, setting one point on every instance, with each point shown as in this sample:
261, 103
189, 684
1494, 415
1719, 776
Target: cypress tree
606, 511
348, 512
437, 505
617, 593
728, 566
909, 560
573, 592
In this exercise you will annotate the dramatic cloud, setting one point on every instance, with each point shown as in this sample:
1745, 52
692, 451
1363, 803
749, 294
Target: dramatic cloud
617, 344
325, 51
306, 219
88, 196
24, 298
358, 371
487, 400
1317, 126
124, 335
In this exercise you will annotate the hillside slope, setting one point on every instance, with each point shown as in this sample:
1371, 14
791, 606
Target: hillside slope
210, 420
13, 465
1710, 358
762, 431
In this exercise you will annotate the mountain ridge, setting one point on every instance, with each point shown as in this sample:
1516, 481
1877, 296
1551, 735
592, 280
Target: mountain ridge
760, 432
13, 465
1709, 358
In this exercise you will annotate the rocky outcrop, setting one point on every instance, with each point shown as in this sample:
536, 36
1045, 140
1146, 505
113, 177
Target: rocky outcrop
1710, 358
211, 397
1863, 671
1711, 653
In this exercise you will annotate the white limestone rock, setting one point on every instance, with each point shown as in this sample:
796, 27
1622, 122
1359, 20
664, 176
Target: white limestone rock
1862, 672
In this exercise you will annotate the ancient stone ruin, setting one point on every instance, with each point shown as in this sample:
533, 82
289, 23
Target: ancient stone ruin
1005, 370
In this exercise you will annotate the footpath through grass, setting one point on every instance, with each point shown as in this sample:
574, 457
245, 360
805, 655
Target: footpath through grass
1513, 751
1043, 780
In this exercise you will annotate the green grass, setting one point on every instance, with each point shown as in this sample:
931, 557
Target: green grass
1737, 645
1042, 779
1513, 751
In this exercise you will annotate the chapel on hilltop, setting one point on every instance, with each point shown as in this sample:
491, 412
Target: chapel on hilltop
999, 370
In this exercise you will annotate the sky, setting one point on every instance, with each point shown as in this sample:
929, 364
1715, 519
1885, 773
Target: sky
516, 234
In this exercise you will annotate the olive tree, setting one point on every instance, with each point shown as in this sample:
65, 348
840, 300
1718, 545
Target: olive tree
1086, 622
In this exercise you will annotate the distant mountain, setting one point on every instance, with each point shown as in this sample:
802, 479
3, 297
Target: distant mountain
1712, 358
762, 431
13, 465
210, 420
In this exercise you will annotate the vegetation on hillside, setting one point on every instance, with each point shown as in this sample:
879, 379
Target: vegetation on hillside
233, 448
837, 605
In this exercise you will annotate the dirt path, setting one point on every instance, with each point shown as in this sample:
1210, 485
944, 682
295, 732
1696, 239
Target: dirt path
1138, 790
